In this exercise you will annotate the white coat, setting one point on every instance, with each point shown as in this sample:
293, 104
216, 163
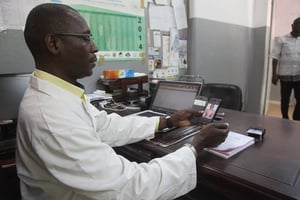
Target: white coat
64, 151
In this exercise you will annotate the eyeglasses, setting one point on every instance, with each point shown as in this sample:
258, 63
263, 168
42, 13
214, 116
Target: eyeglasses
87, 37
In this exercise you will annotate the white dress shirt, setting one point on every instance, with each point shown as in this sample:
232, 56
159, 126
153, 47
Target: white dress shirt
64, 151
287, 51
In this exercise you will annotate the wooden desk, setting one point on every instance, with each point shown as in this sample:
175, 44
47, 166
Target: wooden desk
9, 181
267, 170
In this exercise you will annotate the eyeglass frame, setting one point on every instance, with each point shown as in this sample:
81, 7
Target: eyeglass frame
87, 37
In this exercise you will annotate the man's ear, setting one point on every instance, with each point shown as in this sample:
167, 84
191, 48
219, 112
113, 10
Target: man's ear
52, 43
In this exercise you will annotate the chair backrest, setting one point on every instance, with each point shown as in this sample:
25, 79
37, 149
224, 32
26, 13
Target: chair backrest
230, 94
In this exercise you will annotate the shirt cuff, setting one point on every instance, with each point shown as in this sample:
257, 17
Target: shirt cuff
192, 149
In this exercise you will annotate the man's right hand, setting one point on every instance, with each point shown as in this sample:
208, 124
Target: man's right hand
274, 79
210, 135
274, 71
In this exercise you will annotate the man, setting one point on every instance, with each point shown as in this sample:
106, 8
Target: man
64, 144
286, 55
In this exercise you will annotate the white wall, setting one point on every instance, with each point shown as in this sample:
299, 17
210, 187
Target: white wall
284, 14
249, 13
229, 44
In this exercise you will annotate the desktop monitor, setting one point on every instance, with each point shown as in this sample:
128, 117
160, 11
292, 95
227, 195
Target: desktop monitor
12, 88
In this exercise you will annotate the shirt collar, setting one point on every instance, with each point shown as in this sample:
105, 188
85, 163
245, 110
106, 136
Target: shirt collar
60, 83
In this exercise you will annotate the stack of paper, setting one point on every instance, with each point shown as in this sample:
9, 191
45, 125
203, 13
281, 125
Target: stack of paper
94, 96
234, 143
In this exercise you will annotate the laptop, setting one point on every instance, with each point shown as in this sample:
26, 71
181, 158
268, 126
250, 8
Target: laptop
171, 96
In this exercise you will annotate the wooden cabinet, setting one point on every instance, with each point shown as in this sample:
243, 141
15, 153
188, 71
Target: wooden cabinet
119, 87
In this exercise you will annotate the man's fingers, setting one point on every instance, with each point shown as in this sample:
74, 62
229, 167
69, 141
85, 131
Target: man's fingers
222, 125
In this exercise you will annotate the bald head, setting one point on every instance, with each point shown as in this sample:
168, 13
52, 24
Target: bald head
296, 28
44, 19
297, 21
60, 41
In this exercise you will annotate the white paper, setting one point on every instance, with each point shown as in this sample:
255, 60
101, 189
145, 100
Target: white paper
174, 59
174, 40
233, 140
153, 51
11, 14
165, 50
183, 61
180, 14
151, 65
173, 71
183, 46
161, 18
156, 39
160, 73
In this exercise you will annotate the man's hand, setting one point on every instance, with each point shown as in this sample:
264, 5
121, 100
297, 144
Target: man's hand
274, 79
210, 135
182, 118
179, 118
274, 71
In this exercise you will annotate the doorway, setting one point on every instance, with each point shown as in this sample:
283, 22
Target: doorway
283, 14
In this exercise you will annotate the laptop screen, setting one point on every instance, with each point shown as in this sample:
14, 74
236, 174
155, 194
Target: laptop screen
171, 96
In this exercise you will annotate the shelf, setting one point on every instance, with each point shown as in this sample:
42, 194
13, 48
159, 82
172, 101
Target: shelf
119, 87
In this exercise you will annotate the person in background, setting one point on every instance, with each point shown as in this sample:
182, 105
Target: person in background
64, 144
286, 68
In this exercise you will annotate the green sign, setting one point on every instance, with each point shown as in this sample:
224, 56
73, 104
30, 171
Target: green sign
118, 35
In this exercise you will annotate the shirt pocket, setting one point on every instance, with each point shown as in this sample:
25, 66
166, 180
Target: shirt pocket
288, 49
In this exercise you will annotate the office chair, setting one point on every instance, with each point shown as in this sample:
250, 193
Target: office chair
230, 94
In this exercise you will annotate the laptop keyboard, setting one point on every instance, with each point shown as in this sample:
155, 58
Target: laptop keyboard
175, 135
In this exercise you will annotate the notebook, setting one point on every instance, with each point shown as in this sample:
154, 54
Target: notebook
234, 143
171, 96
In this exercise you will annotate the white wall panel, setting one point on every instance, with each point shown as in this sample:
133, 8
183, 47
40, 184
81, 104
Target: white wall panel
249, 13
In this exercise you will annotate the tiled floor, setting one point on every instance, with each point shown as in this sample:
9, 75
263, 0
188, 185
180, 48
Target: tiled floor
274, 110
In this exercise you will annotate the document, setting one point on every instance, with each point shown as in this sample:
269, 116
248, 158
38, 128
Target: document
180, 14
161, 18
156, 39
234, 143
